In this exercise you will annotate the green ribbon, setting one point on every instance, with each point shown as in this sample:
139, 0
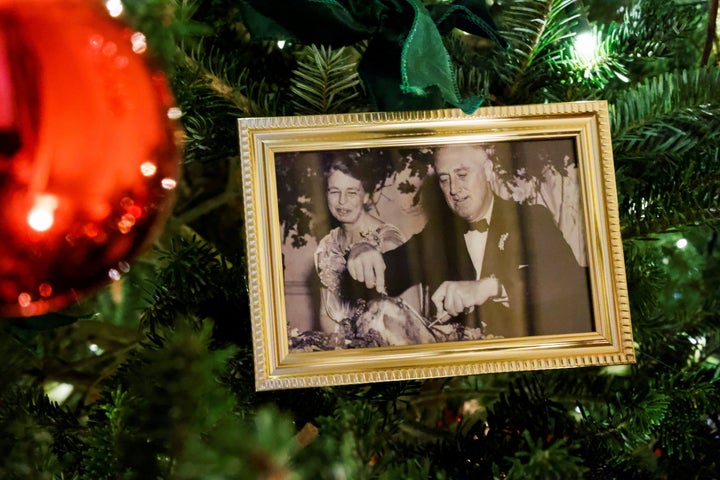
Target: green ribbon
405, 65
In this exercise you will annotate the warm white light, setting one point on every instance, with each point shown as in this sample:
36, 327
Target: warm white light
114, 274
93, 347
168, 183
40, 220
59, 392
699, 344
148, 169
139, 42
586, 47
42, 216
281, 44
126, 223
174, 113
24, 299
682, 243
114, 7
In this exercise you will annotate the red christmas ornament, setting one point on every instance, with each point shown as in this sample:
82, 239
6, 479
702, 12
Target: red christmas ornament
88, 151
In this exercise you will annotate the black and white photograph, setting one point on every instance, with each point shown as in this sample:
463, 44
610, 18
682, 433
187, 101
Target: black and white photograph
435, 243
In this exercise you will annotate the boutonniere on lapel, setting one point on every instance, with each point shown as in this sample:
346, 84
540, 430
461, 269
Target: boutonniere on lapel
503, 238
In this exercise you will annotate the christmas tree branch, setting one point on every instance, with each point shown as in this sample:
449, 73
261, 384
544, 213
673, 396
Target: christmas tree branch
326, 81
710, 38
219, 86
176, 228
535, 30
527, 58
204, 208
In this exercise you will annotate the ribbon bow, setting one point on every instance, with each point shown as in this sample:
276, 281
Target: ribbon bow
405, 65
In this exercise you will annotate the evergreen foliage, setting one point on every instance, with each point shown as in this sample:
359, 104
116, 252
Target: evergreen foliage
536, 32
161, 364
326, 81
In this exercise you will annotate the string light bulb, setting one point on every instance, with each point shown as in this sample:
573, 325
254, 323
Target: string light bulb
114, 7
586, 47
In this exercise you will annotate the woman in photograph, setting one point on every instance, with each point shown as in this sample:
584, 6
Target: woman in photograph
349, 192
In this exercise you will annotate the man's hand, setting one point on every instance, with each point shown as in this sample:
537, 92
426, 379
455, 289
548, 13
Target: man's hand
366, 265
453, 298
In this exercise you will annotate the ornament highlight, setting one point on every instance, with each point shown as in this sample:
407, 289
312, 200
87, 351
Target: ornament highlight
89, 151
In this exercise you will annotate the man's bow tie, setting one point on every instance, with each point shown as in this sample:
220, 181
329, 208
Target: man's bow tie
481, 225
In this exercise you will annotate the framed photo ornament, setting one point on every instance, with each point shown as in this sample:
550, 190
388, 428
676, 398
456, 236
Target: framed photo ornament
397, 246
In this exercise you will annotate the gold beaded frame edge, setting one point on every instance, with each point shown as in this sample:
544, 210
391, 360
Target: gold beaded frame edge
586, 122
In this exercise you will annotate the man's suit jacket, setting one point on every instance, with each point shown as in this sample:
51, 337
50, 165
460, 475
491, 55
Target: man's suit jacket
548, 292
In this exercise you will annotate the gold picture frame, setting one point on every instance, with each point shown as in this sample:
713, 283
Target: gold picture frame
565, 144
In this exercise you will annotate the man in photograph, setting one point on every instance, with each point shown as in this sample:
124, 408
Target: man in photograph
484, 260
